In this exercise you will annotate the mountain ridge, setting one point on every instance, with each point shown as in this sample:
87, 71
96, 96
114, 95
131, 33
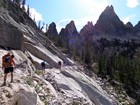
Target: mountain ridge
109, 23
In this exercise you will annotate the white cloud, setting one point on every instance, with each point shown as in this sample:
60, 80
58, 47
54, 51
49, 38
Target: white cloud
35, 14
62, 24
132, 3
79, 23
128, 18
91, 7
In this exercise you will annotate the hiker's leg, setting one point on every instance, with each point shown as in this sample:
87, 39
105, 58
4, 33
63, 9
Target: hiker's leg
5, 77
11, 70
42, 71
11, 76
6, 71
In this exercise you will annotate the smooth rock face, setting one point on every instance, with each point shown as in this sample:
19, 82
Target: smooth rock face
77, 86
10, 36
28, 39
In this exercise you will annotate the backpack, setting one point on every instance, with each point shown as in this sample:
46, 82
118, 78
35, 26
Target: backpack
43, 64
7, 61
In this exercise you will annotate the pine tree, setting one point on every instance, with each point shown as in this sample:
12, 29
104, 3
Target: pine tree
59, 41
46, 27
0, 3
28, 11
42, 26
17, 2
101, 65
39, 23
34, 18
87, 56
23, 4
137, 70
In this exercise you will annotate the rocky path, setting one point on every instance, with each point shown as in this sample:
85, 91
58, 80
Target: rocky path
67, 86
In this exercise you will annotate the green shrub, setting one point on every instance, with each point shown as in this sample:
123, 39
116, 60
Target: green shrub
138, 100
37, 88
46, 103
38, 72
29, 81
0, 3
75, 103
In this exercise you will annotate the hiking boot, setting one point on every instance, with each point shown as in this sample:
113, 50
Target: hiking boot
11, 81
4, 84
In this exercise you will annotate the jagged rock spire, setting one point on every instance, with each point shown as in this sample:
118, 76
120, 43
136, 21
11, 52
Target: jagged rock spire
87, 31
129, 25
137, 27
52, 31
71, 27
109, 10
109, 23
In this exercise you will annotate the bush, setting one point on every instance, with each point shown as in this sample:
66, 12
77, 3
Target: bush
29, 81
138, 100
38, 72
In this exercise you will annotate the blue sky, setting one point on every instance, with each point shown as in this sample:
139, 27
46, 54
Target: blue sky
81, 11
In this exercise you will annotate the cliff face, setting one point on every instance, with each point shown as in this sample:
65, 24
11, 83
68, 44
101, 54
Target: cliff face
10, 36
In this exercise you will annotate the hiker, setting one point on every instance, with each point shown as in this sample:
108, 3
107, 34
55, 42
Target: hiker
8, 64
59, 64
43, 66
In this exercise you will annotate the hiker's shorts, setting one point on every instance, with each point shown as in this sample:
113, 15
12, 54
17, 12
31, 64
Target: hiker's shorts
9, 69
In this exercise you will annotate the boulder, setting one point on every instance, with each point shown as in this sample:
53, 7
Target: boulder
28, 98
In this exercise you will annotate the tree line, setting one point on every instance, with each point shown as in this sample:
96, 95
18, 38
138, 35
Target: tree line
120, 61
